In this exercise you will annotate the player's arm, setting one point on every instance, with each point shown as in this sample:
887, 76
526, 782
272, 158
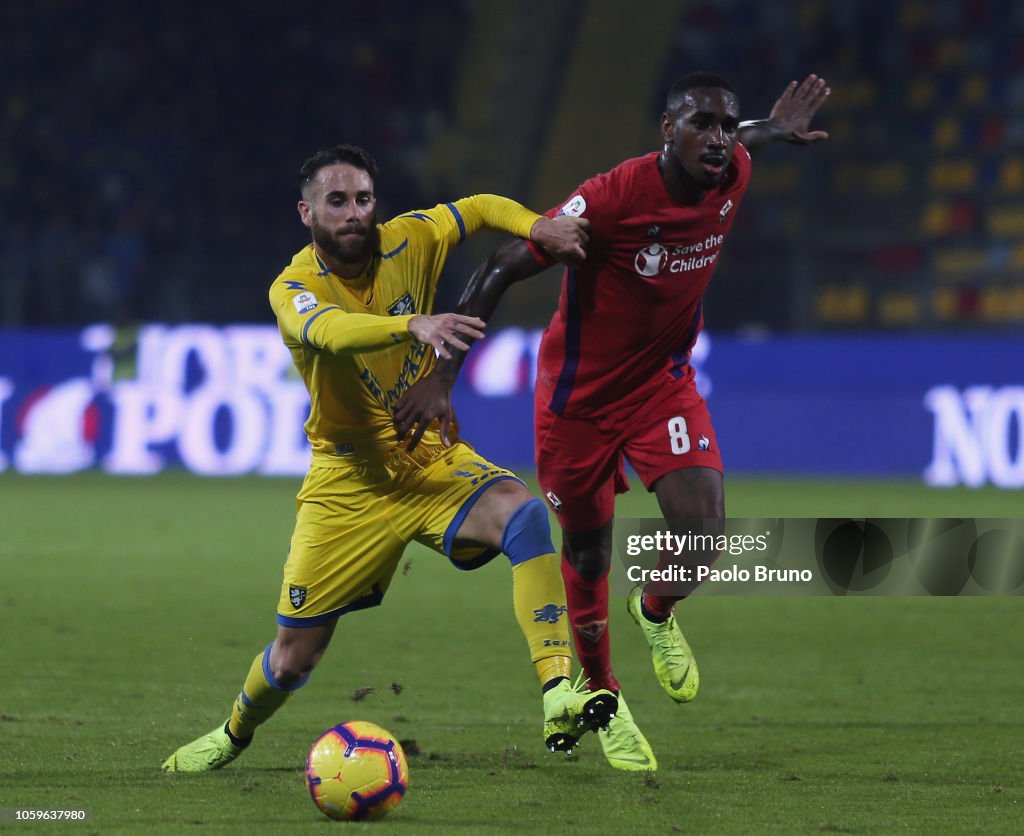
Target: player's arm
510, 263
329, 328
430, 397
564, 237
790, 117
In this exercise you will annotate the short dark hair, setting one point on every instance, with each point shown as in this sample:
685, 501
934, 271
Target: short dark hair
351, 155
692, 80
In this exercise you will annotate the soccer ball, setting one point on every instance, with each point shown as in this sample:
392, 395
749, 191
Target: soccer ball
356, 771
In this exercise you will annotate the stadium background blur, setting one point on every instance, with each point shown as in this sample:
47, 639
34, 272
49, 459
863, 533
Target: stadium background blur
863, 320
149, 150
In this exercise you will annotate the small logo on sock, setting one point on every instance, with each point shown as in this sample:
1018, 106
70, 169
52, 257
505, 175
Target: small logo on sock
297, 595
592, 630
549, 613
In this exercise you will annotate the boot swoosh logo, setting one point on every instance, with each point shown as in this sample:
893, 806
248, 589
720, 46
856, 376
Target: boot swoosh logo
678, 683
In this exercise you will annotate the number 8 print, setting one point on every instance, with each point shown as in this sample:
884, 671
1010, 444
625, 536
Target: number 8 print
678, 438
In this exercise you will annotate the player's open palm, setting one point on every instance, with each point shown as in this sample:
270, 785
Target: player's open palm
793, 112
444, 329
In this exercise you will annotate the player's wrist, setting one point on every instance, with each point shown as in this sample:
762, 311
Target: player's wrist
447, 369
765, 130
414, 327
758, 132
539, 230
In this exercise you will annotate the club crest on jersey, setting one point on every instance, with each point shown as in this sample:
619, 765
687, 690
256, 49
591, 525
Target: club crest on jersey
402, 306
575, 206
651, 260
297, 595
304, 302
726, 209
556, 503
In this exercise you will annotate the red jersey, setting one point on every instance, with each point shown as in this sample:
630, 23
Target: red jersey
630, 314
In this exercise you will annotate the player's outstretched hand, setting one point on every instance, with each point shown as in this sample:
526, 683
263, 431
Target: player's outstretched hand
793, 112
444, 329
565, 237
428, 398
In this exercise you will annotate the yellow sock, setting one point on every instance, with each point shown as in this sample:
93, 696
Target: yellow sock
554, 667
257, 701
538, 596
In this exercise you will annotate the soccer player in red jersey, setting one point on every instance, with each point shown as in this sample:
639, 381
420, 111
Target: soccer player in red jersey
614, 381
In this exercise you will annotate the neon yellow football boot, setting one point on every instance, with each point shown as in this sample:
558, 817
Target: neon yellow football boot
570, 711
624, 744
209, 752
673, 660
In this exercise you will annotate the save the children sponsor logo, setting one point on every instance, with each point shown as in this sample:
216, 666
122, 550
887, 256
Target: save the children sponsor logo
678, 258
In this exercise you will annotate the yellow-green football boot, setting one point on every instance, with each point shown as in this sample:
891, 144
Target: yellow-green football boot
673, 660
209, 752
624, 744
570, 711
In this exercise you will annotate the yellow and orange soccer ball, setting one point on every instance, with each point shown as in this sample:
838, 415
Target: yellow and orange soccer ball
356, 771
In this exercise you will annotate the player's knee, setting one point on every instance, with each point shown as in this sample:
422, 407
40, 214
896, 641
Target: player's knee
589, 552
589, 563
289, 667
527, 533
287, 678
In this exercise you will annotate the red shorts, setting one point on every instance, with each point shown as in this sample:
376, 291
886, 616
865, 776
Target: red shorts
581, 461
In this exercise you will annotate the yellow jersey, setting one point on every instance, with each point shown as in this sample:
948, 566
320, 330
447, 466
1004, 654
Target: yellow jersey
349, 338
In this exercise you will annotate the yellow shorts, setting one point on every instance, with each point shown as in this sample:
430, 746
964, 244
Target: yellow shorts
355, 519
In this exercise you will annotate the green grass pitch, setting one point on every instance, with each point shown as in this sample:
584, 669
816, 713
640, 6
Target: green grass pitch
131, 608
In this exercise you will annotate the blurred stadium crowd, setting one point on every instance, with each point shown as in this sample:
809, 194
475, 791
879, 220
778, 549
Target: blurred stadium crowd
148, 151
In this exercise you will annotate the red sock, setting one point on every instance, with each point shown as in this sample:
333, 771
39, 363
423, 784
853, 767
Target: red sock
588, 617
658, 600
659, 607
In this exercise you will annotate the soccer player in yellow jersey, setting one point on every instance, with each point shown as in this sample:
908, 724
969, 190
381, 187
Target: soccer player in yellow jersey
354, 308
